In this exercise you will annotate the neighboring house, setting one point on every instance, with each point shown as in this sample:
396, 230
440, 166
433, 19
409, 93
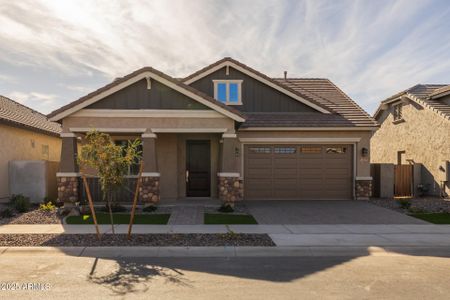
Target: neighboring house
415, 128
229, 132
25, 134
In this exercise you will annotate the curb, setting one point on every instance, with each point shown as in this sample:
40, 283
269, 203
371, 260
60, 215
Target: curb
229, 252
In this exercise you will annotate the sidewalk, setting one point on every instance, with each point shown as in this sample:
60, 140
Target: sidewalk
282, 235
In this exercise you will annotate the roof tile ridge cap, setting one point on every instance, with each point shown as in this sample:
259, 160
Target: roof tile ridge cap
98, 90
195, 73
352, 101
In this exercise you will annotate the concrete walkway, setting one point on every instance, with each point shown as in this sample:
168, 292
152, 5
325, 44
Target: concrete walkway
186, 215
269, 229
283, 235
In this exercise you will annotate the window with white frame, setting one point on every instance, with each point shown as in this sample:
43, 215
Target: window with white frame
228, 91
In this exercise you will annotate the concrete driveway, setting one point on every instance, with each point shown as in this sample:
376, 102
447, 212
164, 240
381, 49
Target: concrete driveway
325, 212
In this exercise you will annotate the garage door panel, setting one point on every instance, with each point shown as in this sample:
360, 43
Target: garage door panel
298, 172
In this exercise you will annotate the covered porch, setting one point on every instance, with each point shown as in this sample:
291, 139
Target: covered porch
179, 165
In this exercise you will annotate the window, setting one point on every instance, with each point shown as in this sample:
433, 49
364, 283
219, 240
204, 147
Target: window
336, 150
260, 150
311, 150
134, 168
397, 112
228, 91
284, 150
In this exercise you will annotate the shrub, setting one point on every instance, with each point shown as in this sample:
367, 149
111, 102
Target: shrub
404, 203
49, 206
226, 208
20, 203
149, 208
7, 213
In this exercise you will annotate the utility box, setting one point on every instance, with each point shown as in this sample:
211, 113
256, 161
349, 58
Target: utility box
35, 179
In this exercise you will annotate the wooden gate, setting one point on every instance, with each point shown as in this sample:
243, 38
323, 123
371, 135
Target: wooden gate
403, 180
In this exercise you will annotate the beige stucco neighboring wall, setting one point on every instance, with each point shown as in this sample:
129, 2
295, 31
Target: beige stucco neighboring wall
148, 123
21, 144
337, 137
424, 136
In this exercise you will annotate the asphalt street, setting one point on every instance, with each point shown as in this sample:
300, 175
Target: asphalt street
393, 276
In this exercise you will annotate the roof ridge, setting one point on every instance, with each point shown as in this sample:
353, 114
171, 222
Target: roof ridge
24, 106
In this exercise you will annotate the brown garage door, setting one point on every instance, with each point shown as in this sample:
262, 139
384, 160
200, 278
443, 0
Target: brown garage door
298, 172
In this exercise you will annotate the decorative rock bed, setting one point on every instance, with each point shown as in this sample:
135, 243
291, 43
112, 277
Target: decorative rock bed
155, 240
430, 205
35, 216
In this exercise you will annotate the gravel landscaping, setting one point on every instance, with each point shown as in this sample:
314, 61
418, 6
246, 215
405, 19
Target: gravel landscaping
90, 240
429, 205
35, 216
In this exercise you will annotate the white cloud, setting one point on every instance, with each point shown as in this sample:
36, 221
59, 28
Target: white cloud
38, 101
371, 49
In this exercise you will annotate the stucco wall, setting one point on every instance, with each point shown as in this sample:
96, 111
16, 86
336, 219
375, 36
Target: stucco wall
20, 144
94, 122
424, 136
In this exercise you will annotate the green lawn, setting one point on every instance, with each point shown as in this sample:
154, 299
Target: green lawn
119, 218
229, 219
435, 218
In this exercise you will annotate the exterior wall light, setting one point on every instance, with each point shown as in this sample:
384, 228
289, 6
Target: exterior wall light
364, 152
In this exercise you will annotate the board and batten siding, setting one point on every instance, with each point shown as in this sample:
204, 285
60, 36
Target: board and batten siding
137, 96
256, 96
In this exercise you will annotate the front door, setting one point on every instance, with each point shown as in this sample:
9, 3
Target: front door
198, 168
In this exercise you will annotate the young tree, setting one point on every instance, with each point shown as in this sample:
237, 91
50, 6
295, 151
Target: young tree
110, 161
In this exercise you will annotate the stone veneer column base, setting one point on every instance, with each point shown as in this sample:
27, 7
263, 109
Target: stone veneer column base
68, 190
363, 189
231, 189
149, 190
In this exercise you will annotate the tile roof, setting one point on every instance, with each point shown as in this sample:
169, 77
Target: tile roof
16, 114
427, 95
329, 95
297, 92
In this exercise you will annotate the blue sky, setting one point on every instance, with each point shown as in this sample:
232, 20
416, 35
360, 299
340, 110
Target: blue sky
53, 52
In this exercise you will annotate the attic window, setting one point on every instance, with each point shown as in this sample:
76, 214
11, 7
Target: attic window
228, 91
397, 112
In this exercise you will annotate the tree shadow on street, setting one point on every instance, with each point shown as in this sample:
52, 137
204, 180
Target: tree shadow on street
134, 276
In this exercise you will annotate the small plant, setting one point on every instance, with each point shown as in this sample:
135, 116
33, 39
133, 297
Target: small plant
226, 208
20, 203
49, 206
150, 208
7, 213
404, 203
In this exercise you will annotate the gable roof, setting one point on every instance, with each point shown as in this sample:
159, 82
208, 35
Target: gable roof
326, 93
426, 95
228, 61
140, 74
18, 115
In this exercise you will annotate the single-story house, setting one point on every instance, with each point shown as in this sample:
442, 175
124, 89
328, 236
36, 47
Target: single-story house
415, 128
230, 132
25, 134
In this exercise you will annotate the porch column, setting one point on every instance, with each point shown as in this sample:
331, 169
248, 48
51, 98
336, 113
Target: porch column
149, 189
67, 177
230, 182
